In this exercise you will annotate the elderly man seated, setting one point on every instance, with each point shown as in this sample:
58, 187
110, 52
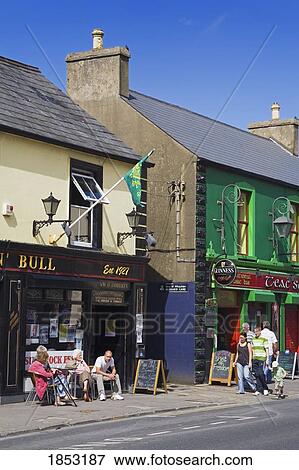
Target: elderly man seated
100, 374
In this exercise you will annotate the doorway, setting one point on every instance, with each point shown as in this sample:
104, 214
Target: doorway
292, 327
228, 328
113, 329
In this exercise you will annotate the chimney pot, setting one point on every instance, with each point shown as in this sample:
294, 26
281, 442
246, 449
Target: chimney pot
275, 110
97, 38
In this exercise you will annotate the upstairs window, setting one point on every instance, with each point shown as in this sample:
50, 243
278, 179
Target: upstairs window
243, 224
88, 188
85, 190
294, 235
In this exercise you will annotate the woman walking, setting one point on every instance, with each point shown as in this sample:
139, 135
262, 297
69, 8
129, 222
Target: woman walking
243, 361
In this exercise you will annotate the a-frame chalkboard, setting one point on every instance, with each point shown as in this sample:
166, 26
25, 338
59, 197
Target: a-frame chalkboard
288, 361
221, 367
147, 375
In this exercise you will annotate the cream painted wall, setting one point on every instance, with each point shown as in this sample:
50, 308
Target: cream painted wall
30, 170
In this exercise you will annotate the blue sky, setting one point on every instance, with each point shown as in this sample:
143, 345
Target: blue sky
191, 53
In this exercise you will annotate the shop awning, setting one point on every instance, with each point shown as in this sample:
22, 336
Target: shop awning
261, 296
292, 299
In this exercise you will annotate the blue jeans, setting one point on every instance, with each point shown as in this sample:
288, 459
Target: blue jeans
258, 370
244, 374
267, 371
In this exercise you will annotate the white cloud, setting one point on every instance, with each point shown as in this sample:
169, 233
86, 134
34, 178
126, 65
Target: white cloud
215, 24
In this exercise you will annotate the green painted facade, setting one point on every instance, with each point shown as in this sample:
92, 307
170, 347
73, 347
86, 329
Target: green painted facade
261, 255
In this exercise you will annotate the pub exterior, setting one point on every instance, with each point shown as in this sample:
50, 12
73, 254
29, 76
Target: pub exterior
64, 299
266, 283
62, 289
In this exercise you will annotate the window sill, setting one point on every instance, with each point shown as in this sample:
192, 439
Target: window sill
247, 258
83, 247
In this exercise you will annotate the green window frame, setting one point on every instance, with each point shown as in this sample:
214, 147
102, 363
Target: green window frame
244, 224
294, 235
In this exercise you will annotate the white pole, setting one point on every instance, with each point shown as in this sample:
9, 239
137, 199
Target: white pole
103, 196
91, 207
96, 202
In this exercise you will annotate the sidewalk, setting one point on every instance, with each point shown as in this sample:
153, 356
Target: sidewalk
18, 418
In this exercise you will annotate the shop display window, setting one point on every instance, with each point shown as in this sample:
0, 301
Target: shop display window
54, 318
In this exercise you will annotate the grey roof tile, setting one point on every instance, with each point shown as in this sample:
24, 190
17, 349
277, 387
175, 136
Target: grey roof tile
31, 104
218, 142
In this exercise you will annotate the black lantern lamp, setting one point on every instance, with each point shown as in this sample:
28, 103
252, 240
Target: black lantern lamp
283, 226
133, 221
51, 206
282, 220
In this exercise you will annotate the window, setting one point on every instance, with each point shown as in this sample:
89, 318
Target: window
243, 224
294, 235
84, 191
88, 188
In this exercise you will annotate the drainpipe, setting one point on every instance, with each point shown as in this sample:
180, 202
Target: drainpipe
178, 192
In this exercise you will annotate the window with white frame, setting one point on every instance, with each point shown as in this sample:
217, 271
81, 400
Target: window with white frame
85, 190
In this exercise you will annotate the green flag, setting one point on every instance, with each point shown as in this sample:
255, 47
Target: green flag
133, 180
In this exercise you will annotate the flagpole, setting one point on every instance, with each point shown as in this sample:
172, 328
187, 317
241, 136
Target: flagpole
103, 196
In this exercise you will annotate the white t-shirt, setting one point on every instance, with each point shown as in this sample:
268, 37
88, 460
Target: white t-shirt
102, 364
270, 336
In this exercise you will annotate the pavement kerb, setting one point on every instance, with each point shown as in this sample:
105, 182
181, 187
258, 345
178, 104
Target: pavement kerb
121, 417
111, 418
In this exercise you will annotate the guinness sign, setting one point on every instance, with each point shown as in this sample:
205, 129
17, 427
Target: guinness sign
224, 272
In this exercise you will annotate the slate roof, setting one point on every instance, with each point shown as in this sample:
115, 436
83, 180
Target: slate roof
217, 142
32, 106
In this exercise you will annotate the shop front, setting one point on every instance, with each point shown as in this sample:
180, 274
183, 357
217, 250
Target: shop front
66, 299
255, 296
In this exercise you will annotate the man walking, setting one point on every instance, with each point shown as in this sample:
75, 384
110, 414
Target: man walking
249, 333
100, 374
273, 348
260, 356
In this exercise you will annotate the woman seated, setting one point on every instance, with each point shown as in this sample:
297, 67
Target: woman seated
81, 369
44, 375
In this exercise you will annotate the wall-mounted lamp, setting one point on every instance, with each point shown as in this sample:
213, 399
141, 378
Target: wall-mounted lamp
282, 221
50, 205
231, 193
133, 221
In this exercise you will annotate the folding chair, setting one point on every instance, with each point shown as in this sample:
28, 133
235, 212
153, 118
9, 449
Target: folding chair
33, 394
94, 388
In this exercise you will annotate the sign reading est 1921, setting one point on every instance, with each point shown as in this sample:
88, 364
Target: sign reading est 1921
224, 272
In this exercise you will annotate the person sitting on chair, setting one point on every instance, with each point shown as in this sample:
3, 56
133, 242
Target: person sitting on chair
100, 374
43, 373
82, 371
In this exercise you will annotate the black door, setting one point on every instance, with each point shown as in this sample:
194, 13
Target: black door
112, 330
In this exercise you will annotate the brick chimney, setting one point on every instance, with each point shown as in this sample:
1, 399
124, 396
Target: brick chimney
98, 73
283, 131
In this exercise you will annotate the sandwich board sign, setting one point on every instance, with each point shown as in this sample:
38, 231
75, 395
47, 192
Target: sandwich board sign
147, 375
288, 361
221, 369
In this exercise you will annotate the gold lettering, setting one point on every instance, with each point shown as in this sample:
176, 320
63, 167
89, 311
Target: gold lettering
51, 267
108, 270
33, 265
41, 264
22, 261
1, 259
122, 270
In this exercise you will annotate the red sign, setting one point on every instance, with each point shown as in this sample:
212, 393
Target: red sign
271, 282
